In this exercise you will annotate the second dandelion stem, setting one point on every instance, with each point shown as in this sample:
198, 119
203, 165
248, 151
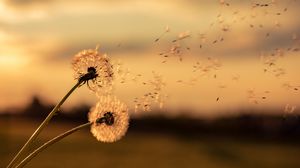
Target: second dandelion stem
49, 143
43, 124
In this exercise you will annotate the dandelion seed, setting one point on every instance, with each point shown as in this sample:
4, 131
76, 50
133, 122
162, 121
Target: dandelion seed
280, 52
225, 29
294, 37
277, 24
183, 35
288, 86
202, 38
222, 2
167, 29
136, 108
288, 109
222, 86
155, 96
242, 18
253, 15
161, 105
110, 119
236, 78
89, 65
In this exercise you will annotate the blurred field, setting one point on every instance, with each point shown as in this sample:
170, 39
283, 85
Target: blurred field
138, 149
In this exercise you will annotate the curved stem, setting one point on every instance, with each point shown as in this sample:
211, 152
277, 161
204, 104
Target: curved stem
49, 143
42, 125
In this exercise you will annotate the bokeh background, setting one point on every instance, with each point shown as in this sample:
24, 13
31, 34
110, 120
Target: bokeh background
226, 73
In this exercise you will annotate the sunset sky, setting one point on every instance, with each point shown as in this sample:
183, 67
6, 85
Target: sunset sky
246, 52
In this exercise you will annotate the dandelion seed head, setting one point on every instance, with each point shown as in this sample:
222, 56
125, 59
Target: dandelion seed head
90, 65
110, 119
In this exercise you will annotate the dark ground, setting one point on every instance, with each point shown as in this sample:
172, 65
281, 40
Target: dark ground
156, 141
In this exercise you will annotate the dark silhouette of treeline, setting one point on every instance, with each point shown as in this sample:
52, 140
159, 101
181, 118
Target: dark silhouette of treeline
248, 124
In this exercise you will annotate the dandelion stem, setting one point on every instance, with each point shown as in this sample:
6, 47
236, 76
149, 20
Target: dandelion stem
42, 125
49, 143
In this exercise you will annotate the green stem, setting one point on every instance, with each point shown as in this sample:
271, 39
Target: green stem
42, 125
49, 143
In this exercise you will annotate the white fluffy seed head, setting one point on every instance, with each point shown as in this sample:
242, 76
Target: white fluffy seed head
105, 132
92, 58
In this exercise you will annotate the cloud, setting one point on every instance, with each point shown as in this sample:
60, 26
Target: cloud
74, 26
26, 4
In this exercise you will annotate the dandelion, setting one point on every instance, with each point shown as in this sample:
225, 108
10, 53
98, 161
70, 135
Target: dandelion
90, 65
110, 119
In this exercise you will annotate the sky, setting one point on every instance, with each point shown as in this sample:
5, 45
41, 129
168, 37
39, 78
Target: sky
208, 57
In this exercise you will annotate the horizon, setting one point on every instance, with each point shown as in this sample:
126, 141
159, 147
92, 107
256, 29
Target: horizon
38, 108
